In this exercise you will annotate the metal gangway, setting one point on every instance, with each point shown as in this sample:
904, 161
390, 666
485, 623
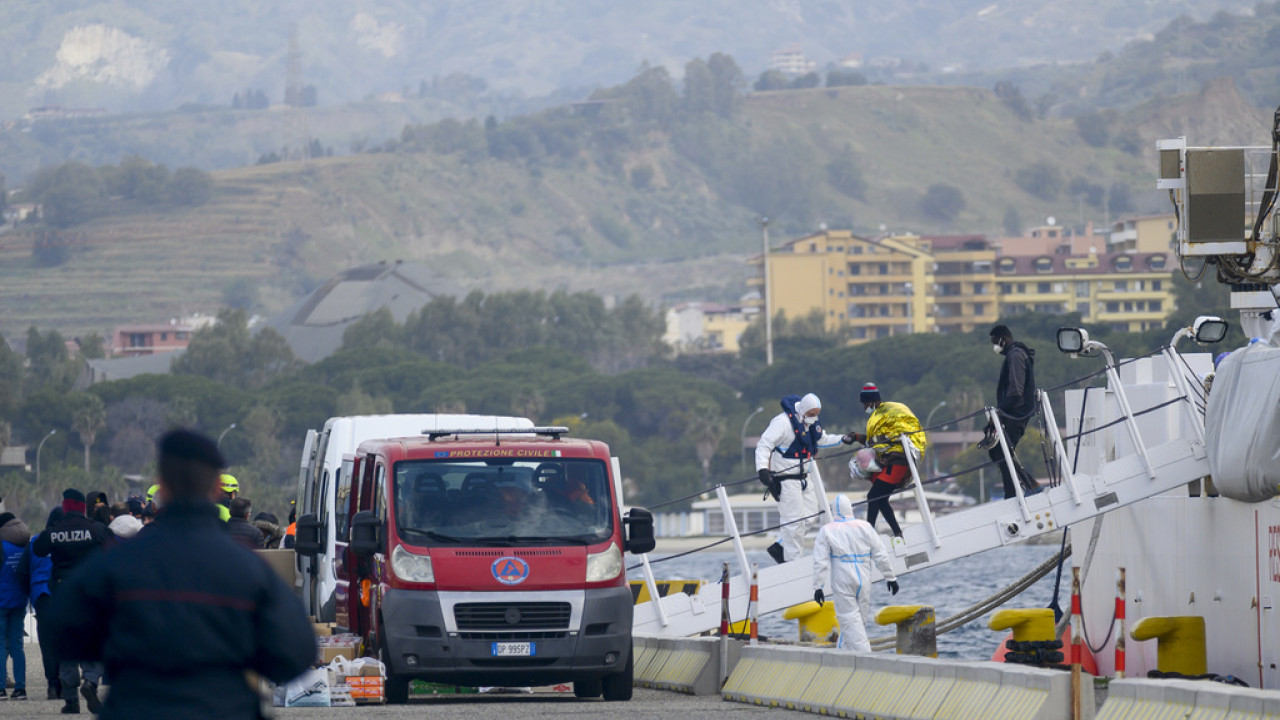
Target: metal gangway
1116, 456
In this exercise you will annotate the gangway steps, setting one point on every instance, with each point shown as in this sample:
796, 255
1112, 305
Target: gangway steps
1120, 482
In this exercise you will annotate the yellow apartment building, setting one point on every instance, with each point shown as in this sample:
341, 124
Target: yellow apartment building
894, 285
1145, 234
875, 288
1127, 291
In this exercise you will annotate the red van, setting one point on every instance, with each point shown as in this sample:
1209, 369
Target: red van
488, 558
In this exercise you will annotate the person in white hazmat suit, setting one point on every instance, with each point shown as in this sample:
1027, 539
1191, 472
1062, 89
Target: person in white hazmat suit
847, 546
784, 457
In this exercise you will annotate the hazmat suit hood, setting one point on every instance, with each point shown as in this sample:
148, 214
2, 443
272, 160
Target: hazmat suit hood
807, 403
843, 508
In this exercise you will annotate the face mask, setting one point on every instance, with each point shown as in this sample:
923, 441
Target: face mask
810, 419
870, 409
997, 348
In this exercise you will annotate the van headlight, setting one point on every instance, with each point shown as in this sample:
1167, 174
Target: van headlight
604, 565
413, 568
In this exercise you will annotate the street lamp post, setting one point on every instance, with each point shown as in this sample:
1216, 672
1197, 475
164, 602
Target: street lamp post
768, 304
928, 422
743, 447
230, 427
38, 449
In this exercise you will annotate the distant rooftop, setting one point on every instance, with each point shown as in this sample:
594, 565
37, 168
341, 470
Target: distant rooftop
315, 325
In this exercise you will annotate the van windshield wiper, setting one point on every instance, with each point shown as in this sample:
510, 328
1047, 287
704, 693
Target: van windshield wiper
440, 536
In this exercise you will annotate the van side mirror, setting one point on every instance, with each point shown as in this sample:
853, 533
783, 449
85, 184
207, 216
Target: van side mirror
366, 533
307, 540
639, 523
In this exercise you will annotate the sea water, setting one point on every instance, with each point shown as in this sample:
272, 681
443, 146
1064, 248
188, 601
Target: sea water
949, 588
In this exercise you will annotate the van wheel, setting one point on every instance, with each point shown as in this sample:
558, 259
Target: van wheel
395, 688
588, 688
618, 687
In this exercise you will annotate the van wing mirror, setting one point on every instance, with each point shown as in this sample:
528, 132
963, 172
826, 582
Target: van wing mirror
639, 524
308, 538
366, 533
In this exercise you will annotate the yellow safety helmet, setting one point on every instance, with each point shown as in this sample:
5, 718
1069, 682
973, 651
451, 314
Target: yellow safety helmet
229, 483
151, 492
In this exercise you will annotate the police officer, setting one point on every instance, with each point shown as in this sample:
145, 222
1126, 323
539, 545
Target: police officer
69, 544
179, 613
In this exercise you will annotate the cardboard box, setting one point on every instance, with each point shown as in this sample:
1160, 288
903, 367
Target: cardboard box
366, 690
329, 652
323, 629
370, 670
284, 562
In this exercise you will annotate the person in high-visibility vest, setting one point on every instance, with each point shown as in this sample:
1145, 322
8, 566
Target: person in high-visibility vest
228, 489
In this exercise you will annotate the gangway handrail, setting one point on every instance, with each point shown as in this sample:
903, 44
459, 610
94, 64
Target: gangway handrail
922, 504
1178, 462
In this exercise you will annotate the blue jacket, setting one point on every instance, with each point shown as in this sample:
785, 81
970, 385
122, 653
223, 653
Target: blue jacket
38, 571
13, 541
178, 614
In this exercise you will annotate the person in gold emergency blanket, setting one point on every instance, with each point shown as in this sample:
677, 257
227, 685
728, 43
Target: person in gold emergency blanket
885, 427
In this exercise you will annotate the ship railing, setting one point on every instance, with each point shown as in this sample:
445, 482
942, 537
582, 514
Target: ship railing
1059, 461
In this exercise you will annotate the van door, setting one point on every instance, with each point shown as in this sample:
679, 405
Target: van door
346, 492
361, 570
302, 580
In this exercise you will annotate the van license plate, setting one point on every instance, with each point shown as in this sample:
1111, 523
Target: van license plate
513, 649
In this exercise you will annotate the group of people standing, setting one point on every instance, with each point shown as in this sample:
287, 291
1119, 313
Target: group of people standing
847, 547
36, 569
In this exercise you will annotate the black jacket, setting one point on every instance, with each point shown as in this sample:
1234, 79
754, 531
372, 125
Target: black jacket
243, 532
1016, 393
69, 541
178, 614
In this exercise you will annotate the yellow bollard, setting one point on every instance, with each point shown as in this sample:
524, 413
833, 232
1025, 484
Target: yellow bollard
917, 630
1179, 640
816, 623
1028, 624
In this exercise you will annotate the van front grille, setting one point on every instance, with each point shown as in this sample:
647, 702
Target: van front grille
510, 616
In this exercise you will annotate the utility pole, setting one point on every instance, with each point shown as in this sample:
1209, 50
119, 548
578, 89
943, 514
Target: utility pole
294, 93
768, 306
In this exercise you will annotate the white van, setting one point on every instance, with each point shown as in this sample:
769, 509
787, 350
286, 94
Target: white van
328, 454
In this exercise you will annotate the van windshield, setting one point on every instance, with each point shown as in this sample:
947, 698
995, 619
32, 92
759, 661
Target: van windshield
503, 502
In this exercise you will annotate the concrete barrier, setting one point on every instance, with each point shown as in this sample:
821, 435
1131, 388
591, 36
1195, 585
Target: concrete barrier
930, 684
773, 676
1179, 699
828, 682
687, 665
976, 685
897, 687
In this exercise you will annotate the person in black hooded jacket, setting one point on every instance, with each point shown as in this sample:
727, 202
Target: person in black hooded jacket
1015, 403
180, 612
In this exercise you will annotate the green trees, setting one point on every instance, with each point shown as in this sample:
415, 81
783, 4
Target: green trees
228, 353
88, 416
71, 193
481, 328
942, 202
74, 193
1094, 128
844, 174
1041, 179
